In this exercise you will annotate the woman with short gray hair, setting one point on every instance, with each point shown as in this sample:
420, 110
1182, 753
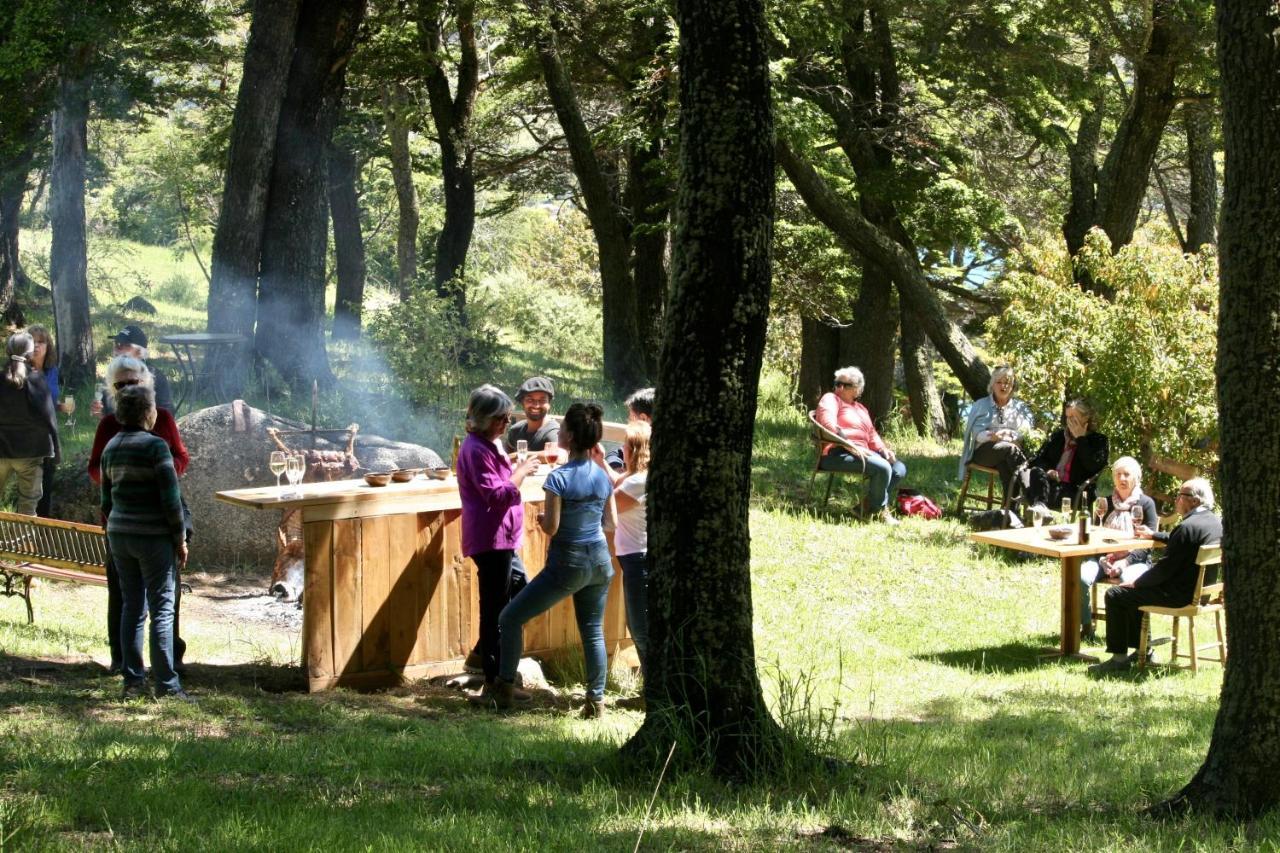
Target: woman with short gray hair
864, 452
492, 515
1116, 512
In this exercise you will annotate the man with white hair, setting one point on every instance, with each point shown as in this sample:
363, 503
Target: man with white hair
132, 341
1170, 582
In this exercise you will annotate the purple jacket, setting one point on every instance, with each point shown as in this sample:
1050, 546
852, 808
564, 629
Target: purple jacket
492, 508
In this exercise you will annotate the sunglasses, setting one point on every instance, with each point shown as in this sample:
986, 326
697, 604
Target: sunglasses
845, 385
125, 383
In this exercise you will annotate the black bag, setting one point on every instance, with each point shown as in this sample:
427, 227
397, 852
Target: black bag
995, 519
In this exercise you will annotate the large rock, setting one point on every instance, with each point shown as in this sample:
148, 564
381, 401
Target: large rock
222, 459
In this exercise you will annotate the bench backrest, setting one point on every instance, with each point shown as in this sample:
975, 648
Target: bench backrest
52, 542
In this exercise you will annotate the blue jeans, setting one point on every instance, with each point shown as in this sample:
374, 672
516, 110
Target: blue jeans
882, 477
635, 589
583, 571
148, 579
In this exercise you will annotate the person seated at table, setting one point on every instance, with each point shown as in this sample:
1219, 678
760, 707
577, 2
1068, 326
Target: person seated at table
492, 521
147, 534
1116, 511
1071, 456
996, 427
125, 371
639, 410
28, 425
1171, 580
579, 508
132, 341
840, 412
537, 428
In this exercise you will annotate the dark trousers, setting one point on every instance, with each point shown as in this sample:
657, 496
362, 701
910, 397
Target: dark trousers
501, 576
43, 507
1048, 492
115, 609
146, 573
1001, 455
1124, 620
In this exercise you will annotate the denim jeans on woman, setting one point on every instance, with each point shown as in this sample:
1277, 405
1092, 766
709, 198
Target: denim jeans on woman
583, 571
147, 571
882, 476
635, 590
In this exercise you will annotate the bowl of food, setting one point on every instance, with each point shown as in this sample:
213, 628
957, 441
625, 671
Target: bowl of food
437, 473
378, 478
404, 475
1060, 532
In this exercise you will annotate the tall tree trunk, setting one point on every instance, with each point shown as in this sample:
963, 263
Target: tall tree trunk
624, 362
922, 391
867, 343
853, 230
291, 308
1197, 119
237, 241
13, 185
348, 242
69, 251
452, 114
395, 107
819, 359
647, 198
1238, 777
701, 678
1082, 155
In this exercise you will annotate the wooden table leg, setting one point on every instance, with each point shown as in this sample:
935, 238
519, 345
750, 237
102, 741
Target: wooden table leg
1069, 645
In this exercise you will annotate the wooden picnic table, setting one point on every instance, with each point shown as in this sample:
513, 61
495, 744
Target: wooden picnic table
1070, 554
388, 595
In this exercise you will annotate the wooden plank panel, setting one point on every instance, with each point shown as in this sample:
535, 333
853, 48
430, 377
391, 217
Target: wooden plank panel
456, 597
375, 587
400, 604
317, 604
412, 599
348, 623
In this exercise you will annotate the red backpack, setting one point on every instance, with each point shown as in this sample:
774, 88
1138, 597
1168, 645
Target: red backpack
911, 502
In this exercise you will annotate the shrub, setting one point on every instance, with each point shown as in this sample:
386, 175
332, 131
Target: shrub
1145, 359
180, 290
557, 322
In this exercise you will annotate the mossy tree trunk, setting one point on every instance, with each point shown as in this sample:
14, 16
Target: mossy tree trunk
702, 687
1240, 776
68, 249
395, 110
348, 242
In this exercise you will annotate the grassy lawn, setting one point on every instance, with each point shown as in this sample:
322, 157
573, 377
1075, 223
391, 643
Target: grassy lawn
908, 652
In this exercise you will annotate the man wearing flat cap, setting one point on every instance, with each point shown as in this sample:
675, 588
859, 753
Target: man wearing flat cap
132, 341
537, 428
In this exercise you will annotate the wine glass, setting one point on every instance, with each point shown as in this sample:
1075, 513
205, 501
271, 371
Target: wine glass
295, 468
522, 450
1138, 516
1100, 510
279, 460
69, 406
1037, 518
1066, 508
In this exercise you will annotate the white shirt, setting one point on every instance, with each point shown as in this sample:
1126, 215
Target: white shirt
632, 534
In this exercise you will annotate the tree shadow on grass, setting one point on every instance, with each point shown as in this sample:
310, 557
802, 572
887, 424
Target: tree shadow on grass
1015, 656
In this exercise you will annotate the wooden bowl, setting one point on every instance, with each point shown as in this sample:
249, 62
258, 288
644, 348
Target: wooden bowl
437, 473
1060, 532
404, 475
378, 478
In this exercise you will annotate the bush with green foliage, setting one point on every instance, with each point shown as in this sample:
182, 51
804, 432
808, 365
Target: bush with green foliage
1144, 359
557, 322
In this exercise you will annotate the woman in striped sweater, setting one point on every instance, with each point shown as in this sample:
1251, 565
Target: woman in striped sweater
143, 508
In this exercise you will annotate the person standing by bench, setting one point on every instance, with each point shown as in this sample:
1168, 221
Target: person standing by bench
145, 528
28, 426
122, 372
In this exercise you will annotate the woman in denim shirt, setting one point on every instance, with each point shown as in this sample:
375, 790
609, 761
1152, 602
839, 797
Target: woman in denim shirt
579, 506
996, 428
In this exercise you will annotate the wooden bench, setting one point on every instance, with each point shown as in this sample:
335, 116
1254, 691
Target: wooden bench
32, 547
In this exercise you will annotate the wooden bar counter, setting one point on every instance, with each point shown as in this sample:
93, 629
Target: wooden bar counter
388, 596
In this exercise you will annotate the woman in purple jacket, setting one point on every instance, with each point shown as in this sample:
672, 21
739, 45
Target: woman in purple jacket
492, 515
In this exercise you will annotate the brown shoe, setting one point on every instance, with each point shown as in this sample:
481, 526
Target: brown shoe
499, 695
474, 663
593, 709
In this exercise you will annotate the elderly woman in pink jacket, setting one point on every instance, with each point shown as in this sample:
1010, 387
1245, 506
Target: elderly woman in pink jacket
840, 412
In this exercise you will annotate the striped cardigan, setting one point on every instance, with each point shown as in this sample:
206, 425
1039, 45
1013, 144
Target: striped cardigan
140, 493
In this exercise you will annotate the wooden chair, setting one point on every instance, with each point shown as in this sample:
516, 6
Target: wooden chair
1208, 599
977, 499
820, 435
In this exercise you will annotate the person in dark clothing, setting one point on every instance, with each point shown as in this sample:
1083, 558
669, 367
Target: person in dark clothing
1069, 458
1170, 582
28, 426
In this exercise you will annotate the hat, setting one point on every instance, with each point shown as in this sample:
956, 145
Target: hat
131, 335
536, 383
